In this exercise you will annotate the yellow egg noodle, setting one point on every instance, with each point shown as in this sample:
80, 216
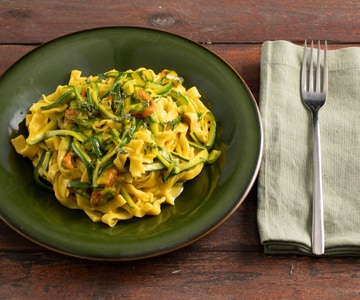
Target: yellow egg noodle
120, 144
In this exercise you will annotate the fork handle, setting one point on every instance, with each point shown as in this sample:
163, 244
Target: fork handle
318, 239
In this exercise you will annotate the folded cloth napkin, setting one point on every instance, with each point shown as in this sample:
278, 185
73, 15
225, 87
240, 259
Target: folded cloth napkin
285, 181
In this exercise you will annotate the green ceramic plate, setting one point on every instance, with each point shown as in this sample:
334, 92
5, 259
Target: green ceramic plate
206, 201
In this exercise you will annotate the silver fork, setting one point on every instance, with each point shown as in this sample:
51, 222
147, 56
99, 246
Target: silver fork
314, 100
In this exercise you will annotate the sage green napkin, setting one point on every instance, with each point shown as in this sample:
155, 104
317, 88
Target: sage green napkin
285, 179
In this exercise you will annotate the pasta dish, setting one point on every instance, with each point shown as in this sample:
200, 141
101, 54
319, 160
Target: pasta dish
120, 144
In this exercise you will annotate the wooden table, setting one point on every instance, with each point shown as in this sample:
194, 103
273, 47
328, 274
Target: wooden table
228, 263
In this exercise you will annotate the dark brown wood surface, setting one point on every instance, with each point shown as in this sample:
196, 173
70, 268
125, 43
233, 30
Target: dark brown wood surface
228, 263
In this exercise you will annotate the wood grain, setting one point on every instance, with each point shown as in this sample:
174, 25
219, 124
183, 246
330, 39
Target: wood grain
180, 275
210, 21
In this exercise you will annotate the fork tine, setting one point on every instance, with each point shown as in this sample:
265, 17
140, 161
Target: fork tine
318, 82
325, 70
311, 72
303, 71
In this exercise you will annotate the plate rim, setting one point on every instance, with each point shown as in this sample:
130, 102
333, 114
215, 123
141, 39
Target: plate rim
241, 198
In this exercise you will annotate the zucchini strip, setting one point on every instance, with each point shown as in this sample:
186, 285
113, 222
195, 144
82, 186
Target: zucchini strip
200, 158
99, 165
127, 198
107, 113
41, 168
41, 134
79, 185
179, 156
153, 167
212, 128
65, 97
76, 147
96, 146
213, 156
65, 132
128, 134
